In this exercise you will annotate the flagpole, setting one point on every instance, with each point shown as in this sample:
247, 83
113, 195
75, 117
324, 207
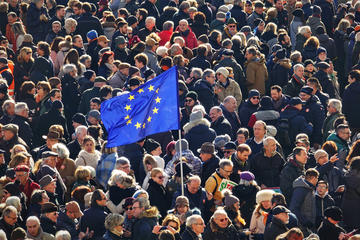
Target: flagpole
181, 165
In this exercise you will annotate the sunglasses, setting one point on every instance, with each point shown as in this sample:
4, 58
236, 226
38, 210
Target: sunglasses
129, 209
223, 220
160, 177
28, 52
227, 152
188, 100
232, 26
255, 97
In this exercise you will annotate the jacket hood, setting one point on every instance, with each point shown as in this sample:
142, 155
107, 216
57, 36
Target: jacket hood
258, 60
300, 182
191, 125
285, 63
152, 212
150, 159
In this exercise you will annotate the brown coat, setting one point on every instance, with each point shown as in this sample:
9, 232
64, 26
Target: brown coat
256, 74
67, 171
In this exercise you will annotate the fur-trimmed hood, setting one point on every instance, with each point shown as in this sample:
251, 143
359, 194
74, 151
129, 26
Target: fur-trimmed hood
151, 160
190, 125
284, 63
152, 212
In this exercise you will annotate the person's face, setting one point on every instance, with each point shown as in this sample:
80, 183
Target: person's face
232, 27
40, 91
275, 95
27, 58
6, 194
87, 63
226, 171
304, 96
248, 8
53, 216
284, 217
11, 19
309, 68
13, 3
51, 161
331, 109
205, 156
94, 106
231, 105
79, 42
266, 204
322, 160
102, 202
129, 211
92, 121
4, 43
157, 151
259, 131
321, 189
259, 10
193, 186
11, 219
61, 13
221, 77
7, 135
183, 26
211, 79
51, 187
76, 10
137, 210
33, 228
75, 124
198, 227
241, 138
125, 168
261, 27
270, 147
11, 109
279, 5
228, 153
214, 114
50, 142
57, 96
255, 100
221, 220
299, 72
103, 44
123, 29
159, 178
149, 25
344, 134
189, 102
243, 156
182, 209
302, 157
39, 4
45, 198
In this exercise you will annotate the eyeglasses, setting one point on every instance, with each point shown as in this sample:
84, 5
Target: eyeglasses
227, 171
129, 208
160, 177
56, 213
218, 74
255, 97
223, 220
227, 152
135, 207
28, 53
188, 100
232, 26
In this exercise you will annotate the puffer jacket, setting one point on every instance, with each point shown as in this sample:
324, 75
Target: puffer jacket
231, 89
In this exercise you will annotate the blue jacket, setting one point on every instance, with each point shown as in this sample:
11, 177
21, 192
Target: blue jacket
246, 109
142, 229
94, 219
65, 223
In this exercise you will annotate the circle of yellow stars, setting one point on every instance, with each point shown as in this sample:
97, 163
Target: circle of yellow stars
155, 110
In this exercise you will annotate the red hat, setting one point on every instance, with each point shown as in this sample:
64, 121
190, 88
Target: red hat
22, 168
103, 2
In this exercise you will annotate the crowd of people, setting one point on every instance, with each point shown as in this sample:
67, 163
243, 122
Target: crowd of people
269, 145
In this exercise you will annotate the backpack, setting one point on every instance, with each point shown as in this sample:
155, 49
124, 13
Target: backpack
283, 135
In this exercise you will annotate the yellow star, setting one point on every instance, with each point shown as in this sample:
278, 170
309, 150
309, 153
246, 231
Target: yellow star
128, 107
128, 122
157, 91
144, 125
131, 97
140, 90
151, 88
149, 119
155, 110
157, 100
138, 125
127, 117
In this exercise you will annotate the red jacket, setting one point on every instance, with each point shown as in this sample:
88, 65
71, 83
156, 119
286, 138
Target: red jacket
190, 39
165, 37
29, 187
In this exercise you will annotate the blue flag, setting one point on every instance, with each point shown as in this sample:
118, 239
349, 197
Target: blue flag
151, 108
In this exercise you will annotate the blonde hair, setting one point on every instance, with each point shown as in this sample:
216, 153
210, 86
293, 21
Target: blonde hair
23, 53
172, 218
82, 173
155, 171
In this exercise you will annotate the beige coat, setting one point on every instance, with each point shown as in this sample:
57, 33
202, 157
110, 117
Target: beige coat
256, 74
232, 90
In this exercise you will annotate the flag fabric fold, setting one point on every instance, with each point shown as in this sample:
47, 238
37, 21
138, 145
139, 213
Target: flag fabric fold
151, 108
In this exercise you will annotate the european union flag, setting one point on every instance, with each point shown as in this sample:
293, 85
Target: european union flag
151, 108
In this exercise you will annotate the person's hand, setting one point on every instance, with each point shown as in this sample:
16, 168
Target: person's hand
43, 18
263, 186
127, 233
188, 80
88, 234
342, 236
209, 196
156, 229
217, 90
340, 188
247, 232
334, 158
171, 229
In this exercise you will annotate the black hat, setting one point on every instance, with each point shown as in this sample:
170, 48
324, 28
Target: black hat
79, 118
100, 79
18, 233
3, 60
203, 38
57, 105
46, 180
266, 103
254, 93
207, 147
281, 53
88, 74
128, 202
308, 61
334, 212
4, 88
231, 21
49, 154
192, 95
275, 48
186, 169
323, 65
131, 20
150, 145
133, 70
298, 12
48, 207
320, 30
316, 9
230, 146
258, 4
306, 89
228, 52
13, 188
134, 82
279, 209
10, 173
295, 101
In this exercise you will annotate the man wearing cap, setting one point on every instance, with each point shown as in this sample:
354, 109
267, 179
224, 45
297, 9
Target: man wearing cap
258, 13
329, 228
314, 20
226, 86
121, 52
278, 224
210, 160
191, 99
231, 28
296, 122
48, 184
27, 185
86, 96
9, 139
49, 216
227, 60
87, 22
68, 219
51, 139
313, 112
324, 79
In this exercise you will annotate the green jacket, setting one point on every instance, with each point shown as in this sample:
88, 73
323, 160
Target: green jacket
328, 125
